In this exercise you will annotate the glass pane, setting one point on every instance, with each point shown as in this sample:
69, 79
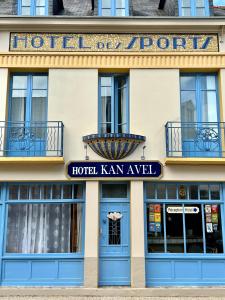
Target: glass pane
172, 191
13, 192
25, 11
204, 192
20, 82
114, 231
120, 3
39, 93
106, 3
44, 228
161, 191
209, 107
174, 229
193, 192
122, 105
56, 191
213, 229
150, 190
26, 2
186, 3
200, 12
208, 82
120, 12
182, 192
40, 11
193, 223
106, 81
200, 3
38, 110
155, 228
18, 110
77, 191
215, 192
114, 191
40, 82
35, 192
46, 192
67, 191
106, 12
40, 2
188, 106
24, 192
186, 12
19, 93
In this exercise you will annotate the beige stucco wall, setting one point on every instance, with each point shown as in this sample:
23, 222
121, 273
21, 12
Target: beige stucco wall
4, 41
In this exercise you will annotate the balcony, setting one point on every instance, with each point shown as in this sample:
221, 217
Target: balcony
195, 143
31, 142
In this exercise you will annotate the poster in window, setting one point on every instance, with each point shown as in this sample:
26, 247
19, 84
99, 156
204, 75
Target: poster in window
209, 228
158, 227
208, 218
214, 208
152, 217
157, 208
215, 218
215, 227
158, 217
151, 207
208, 209
152, 227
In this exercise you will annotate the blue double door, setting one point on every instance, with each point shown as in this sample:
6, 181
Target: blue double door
114, 241
27, 119
200, 127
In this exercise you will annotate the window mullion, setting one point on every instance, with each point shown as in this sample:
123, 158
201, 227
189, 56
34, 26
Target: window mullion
113, 106
203, 228
164, 227
184, 229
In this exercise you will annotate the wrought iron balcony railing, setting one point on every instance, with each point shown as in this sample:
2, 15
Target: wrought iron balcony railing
31, 139
199, 139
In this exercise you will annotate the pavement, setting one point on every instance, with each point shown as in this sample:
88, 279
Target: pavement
53, 293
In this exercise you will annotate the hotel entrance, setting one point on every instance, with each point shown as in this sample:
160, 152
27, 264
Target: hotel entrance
114, 241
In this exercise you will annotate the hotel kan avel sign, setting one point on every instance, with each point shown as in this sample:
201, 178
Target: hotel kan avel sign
84, 169
73, 42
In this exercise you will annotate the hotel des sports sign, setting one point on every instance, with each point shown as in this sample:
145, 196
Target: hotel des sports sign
73, 42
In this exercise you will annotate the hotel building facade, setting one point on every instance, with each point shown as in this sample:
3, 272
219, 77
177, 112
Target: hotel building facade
112, 143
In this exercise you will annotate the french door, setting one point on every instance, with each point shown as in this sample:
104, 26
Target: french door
200, 127
27, 126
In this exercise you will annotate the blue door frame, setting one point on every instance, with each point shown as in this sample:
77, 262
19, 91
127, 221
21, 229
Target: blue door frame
206, 140
26, 137
114, 243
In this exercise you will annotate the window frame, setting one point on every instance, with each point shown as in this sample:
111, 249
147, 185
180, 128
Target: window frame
181, 202
61, 201
194, 9
114, 103
113, 9
33, 8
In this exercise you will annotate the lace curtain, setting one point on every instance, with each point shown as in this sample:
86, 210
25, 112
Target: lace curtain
44, 228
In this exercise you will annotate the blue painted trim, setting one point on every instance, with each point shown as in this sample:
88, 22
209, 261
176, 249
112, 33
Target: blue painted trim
194, 8
113, 8
33, 7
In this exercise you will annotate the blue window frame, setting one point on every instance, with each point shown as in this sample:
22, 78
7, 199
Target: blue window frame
27, 114
33, 7
193, 8
184, 218
118, 8
113, 104
42, 233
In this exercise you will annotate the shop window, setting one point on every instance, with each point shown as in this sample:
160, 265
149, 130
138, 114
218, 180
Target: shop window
113, 104
119, 8
33, 7
41, 220
190, 8
190, 222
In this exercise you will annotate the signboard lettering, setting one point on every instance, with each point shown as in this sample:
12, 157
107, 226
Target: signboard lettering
74, 42
114, 169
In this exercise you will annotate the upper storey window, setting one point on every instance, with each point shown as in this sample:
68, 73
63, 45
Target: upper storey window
118, 8
33, 7
193, 8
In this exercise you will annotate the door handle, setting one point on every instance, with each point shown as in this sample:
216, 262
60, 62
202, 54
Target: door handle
100, 231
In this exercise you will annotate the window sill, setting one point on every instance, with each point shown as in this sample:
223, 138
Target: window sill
32, 160
194, 161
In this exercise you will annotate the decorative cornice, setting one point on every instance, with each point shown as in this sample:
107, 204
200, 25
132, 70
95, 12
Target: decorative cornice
113, 60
